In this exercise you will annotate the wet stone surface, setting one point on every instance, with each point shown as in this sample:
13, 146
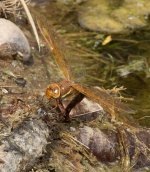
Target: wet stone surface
114, 16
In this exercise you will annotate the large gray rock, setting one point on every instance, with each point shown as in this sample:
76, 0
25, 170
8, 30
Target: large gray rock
23, 146
13, 41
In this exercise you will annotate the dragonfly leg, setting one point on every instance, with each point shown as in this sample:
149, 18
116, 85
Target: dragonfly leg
61, 107
77, 99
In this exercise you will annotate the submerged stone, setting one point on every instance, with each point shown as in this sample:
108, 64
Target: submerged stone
134, 66
113, 17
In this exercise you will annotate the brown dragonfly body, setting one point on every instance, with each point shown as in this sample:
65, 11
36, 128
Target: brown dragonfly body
110, 103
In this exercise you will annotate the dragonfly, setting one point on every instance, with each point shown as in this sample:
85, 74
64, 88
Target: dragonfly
110, 103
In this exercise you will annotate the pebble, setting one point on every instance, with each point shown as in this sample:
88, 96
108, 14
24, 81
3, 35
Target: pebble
20, 81
72, 129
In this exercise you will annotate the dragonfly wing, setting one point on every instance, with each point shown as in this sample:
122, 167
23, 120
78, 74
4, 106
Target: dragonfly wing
55, 44
110, 104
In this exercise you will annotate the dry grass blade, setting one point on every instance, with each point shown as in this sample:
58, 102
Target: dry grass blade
77, 145
31, 21
10, 7
56, 46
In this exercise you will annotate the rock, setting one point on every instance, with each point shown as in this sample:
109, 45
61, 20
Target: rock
21, 149
86, 110
114, 16
13, 41
103, 147
105, 144
134, 66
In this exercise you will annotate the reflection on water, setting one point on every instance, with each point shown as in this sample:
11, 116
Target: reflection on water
95, 64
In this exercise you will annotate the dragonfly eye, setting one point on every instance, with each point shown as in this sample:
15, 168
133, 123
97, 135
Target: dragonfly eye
56, 91
53, 91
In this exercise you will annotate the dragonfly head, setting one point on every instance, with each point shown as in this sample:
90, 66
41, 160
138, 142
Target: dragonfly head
53, 91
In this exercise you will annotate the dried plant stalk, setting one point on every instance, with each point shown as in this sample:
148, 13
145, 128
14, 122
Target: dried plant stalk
10, 7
